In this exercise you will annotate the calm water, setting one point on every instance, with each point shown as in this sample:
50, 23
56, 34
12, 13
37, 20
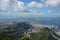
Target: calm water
48, 22
44, 21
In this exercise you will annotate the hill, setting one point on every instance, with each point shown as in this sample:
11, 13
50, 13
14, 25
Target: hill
16, 31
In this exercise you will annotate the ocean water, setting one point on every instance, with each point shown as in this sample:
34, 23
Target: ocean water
48, 22
43, 21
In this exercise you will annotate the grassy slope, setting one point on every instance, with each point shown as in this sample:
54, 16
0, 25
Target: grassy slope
40, 36
44, 35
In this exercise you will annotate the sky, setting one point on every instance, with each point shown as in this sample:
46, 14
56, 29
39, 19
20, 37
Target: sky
29, 8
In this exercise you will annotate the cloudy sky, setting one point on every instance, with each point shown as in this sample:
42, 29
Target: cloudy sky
29, 8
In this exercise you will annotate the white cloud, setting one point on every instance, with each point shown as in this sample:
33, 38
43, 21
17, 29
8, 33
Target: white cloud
4, 4
14, 5
35, 4
45, 3
52, 3
19, 6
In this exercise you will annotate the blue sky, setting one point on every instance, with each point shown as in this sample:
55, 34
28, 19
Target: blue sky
27, 8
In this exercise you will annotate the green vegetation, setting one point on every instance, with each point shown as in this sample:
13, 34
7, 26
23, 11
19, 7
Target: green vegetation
40, 36
24, 38
17, 33
44, 35
4, 36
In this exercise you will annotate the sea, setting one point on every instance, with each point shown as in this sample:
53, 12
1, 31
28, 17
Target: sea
39, 20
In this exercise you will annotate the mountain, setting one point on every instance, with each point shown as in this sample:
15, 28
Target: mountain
17, 30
